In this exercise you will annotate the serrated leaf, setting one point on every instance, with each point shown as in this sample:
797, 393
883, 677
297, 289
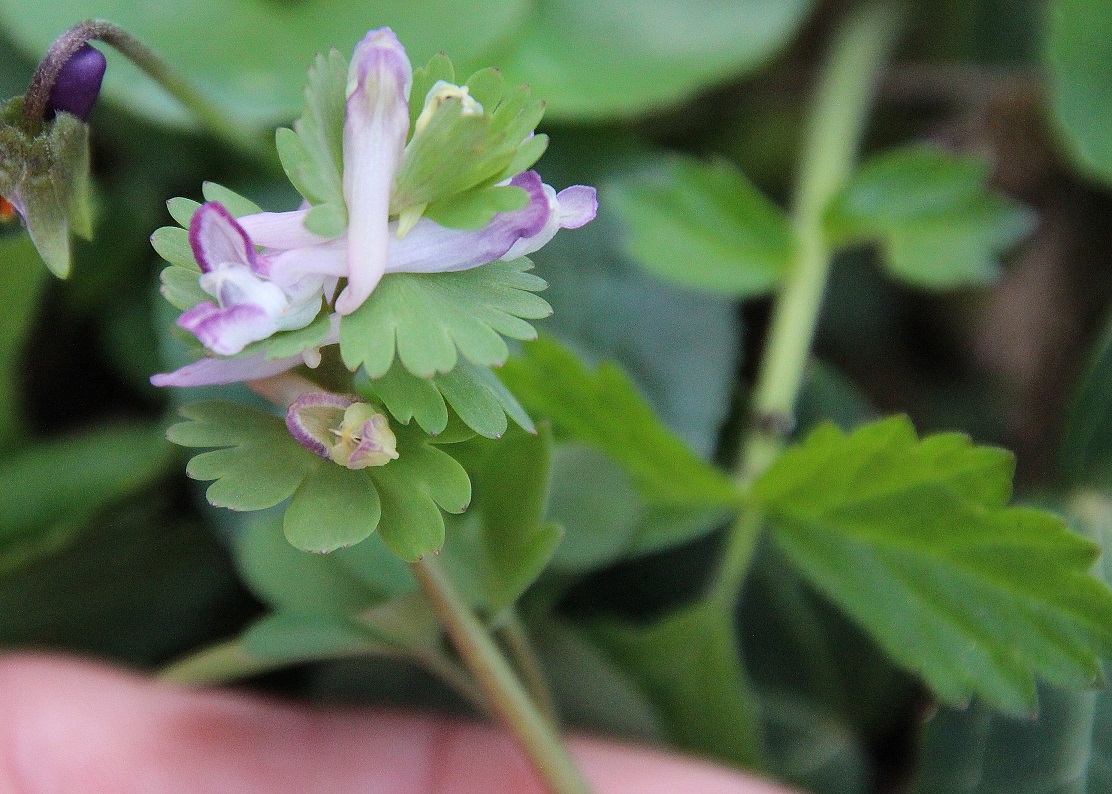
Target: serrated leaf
1086, 455
688, 666
333, 508
172, 244
937, 220
704, 225
603, 409
234, 203
312, 153
257, 463
426, 318
503, 543
914, 540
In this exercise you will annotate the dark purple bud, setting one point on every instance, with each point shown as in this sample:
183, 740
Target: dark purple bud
78, 84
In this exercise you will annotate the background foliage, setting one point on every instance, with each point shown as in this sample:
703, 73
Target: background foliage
686, 115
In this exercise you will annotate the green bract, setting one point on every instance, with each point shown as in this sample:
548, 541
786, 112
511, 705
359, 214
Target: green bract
46, 177
258, 465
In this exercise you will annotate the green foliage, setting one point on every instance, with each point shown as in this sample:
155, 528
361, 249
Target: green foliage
258, 465
475, 394
312, 152
705, 226
22, 280
603, 409
1067, 748
1087, 443
914, 539
58, 486
687, 665
425, 318
1078, 50
503, 543
938, 223
606, 60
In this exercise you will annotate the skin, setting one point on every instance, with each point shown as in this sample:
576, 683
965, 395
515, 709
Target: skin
71, 726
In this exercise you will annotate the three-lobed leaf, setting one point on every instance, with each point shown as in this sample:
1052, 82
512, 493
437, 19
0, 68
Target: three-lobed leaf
704, 225
914, 539
938, 222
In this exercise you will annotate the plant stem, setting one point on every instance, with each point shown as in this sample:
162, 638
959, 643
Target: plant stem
516, 640
843, 100
63, 48
508, 698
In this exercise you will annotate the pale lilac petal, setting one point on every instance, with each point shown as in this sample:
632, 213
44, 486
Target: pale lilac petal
217, 239
431, 248
227, 331
376, 122
288, 267
280, 229
578, 206
305, 415
582, 205
221, 371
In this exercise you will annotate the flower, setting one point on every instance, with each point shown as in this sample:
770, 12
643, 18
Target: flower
78, 83
342, 429
249, 306
283, 285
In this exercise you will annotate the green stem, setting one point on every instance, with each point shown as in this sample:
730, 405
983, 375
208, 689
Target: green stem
63, 48
508, 698
516, 640
843, 100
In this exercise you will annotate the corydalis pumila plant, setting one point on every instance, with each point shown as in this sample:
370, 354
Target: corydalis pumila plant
446, 193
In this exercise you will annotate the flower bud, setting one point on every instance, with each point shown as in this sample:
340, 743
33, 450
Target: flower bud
346, 431
78, 83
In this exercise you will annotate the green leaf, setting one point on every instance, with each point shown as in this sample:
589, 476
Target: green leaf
182, 209
258, 79
181, 287
603, 409
915, 541
22, 280
346, 582
425, 318
258, 463
704, 226
977, 751
503, 544
424, 78
1086, 455
235, 204
687, 664
172, 244
475, 394
938, 222
313, 156
595, 60
291, 639
333, 508
69, 478
1078, 48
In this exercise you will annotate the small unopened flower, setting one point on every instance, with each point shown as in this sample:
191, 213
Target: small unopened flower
347, 431
78, 84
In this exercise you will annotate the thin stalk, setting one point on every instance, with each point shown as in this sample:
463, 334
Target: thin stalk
843, 100
516, 639
63, 48
508, 698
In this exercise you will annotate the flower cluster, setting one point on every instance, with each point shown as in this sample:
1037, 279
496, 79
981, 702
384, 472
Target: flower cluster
269, 272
